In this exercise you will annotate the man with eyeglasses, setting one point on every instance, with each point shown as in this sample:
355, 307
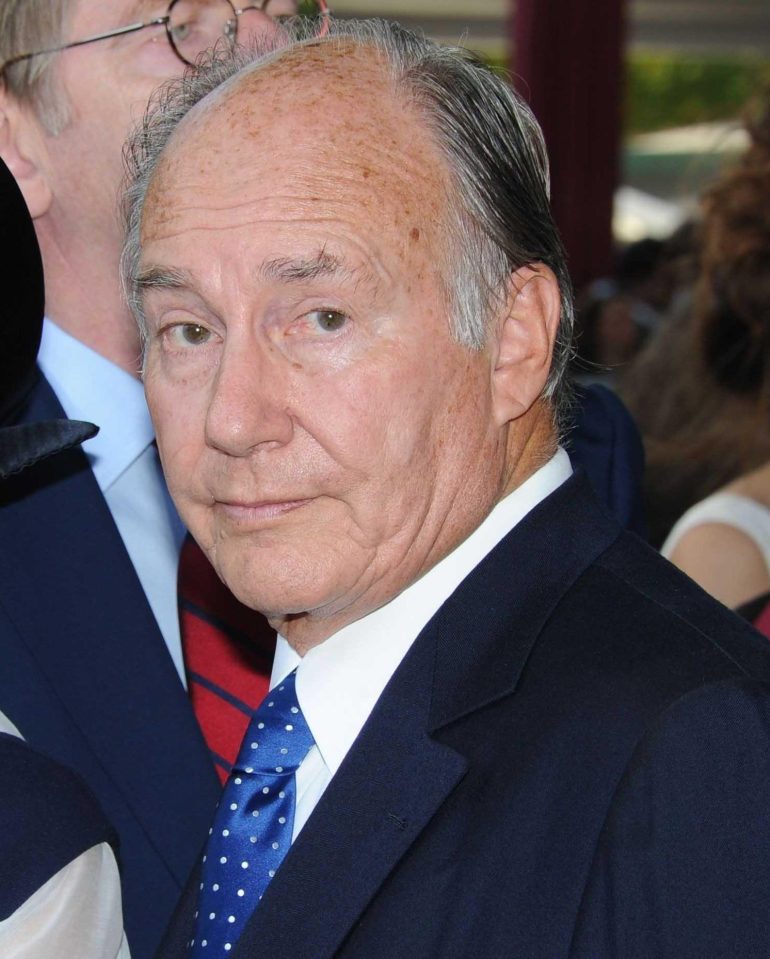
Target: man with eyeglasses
89, 633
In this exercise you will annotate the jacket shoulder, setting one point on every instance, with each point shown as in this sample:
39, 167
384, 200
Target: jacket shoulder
645, 625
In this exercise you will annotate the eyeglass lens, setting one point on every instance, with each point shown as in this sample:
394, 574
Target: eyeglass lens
196, 25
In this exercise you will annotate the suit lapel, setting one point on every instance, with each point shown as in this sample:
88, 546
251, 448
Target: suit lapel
488, 627
128, 704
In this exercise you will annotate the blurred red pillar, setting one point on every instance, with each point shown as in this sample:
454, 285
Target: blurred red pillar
568, 65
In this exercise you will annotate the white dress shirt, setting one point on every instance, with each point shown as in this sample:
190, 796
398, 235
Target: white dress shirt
125, 463
340, 680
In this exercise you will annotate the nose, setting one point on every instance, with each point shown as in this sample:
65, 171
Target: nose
247, 411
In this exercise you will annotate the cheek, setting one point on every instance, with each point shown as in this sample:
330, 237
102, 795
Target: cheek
179, 419
436, 414
377, 425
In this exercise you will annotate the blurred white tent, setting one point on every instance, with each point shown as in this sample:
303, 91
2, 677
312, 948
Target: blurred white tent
665, 171
638, 215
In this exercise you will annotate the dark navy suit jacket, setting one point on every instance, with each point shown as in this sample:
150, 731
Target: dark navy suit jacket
573, 760
87, 678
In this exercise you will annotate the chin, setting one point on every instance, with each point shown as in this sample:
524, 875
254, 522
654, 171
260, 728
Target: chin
278, 583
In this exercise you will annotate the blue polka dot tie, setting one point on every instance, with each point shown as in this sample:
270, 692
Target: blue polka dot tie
253, 822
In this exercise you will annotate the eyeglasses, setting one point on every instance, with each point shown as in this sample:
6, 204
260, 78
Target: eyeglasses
192, 26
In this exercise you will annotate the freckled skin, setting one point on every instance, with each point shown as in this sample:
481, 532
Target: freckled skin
378, 430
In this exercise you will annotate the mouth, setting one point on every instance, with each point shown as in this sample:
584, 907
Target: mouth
255, 513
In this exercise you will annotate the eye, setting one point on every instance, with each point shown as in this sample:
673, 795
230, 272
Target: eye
190, 334
194, 27
328, 320
179, 31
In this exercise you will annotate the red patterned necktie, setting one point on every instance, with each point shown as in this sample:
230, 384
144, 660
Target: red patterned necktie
228, 653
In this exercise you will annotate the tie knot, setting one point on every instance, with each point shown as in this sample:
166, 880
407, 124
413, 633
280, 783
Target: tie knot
278, 738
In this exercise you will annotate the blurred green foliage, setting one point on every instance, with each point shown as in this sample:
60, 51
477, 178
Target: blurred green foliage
663, 90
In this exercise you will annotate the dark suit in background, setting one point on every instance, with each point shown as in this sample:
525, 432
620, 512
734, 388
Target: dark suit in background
604, 439
87, 677
49, 817
83, 666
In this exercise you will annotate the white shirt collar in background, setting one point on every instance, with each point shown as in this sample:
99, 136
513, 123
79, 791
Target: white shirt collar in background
83, 380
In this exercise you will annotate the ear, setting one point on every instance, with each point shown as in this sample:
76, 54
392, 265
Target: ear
23, 148
525, 335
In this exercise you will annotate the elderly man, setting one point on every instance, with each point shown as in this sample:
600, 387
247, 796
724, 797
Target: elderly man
89, 543
498, 725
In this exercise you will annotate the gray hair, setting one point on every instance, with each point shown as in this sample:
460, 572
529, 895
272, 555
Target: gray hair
499, 218
25, 26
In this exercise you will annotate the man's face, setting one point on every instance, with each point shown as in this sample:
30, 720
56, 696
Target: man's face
105, 87
324, 437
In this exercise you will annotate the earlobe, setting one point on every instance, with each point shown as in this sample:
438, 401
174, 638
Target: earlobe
525, 337
22, 150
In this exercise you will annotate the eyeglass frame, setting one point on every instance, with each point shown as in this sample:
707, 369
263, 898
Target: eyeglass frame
163, 21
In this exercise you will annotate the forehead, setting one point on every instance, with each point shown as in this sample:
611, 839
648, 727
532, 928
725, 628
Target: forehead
97, 15
321, 128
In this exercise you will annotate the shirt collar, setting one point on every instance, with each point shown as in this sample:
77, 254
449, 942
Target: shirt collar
90, 387
340, 680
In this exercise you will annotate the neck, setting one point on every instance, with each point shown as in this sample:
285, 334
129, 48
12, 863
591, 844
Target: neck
83, 296
530, 442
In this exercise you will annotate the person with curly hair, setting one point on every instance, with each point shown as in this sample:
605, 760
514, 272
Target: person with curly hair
706, 435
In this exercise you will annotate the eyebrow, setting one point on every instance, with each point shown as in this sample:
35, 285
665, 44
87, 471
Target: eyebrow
138, 11
145, 8
280, 269
158, 278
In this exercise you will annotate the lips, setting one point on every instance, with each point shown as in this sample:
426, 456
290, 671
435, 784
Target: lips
254, 513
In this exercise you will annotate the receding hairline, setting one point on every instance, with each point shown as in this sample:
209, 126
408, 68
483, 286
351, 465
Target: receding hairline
293, 57
246, 82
